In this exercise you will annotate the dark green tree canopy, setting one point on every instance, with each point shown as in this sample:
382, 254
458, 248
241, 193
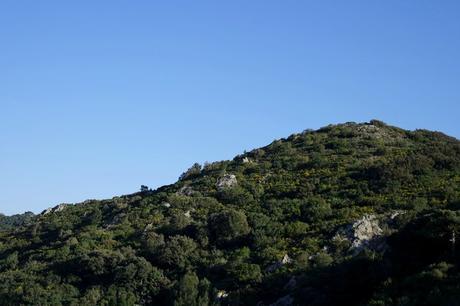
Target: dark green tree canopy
228, 225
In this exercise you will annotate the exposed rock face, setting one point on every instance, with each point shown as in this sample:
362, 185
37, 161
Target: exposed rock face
368, 128
147, 228
284, 261
365, 232
47, 211
221, 294
185, 191
55, 209
376, 131
246, 160
396, 213
226, 181
117, 219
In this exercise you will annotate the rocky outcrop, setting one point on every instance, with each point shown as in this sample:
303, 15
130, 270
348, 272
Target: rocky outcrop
377, 130
284, 261
55, 209
221, 294
364, 232
147, 229
226, 181
185, 191
47, 211
116, 220
396, 213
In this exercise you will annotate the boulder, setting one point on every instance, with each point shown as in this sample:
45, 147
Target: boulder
116, 220
364, 232
246, 160
147, 229
226, 181
185, 191
396, 213
55, 209
221, 294
374, 130
284, 261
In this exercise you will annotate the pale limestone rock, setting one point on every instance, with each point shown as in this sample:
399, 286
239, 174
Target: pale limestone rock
226, 181
148, 228
363, 233
185, 191
47, 211
364, 230
396, 213
55, 209
284, 261
221, 294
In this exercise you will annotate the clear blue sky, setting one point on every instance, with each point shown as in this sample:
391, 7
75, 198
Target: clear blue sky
99, 97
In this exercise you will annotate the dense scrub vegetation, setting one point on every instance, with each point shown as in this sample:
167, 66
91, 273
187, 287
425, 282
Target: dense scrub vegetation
277, 224
15, 221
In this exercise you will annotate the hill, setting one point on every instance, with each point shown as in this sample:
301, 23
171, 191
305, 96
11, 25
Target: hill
15, 221
350, 214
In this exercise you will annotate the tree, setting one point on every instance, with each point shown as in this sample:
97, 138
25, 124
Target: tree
244, 273
191, 172
316, 209
12, 260
192, 291
228, 225
178, 252
187, 291
153, 242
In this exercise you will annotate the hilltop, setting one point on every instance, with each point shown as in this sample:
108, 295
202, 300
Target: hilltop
350, 214
15, 221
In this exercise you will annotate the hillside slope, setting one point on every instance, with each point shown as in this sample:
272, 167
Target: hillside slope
350, 214
15, 221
